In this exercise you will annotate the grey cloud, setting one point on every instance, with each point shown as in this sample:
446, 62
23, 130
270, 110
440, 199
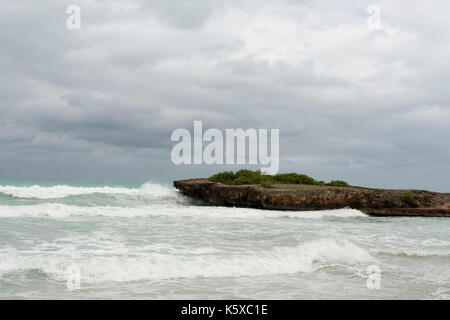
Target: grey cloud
183, 13
368, 107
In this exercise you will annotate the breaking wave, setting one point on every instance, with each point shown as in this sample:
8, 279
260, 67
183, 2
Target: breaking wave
303, 258
59, 210
412, 253
63, 191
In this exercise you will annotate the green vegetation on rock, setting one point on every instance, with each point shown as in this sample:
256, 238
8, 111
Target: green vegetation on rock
338, 183
408, 199
294, 178
225, 177
268, 181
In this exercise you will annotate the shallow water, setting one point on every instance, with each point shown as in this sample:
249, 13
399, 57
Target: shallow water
150, 242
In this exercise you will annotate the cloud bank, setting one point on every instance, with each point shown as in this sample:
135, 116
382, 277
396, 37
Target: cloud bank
100, 103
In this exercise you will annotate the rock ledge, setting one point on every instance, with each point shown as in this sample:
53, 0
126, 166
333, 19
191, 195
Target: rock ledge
382, 202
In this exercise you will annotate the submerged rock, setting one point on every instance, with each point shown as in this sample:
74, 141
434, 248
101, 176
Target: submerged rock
383, 202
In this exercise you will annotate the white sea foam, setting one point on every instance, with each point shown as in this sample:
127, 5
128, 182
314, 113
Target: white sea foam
306, 257
58, 210
412, 253
62, 191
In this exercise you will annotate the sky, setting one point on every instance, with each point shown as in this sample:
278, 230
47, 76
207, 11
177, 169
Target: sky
99, 103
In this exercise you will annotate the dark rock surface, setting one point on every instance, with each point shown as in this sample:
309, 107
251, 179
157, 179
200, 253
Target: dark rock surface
381, 202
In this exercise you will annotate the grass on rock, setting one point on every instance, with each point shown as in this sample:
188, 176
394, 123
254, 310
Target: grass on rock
256, 177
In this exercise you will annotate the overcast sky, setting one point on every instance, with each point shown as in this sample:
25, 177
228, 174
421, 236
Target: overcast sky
100, 103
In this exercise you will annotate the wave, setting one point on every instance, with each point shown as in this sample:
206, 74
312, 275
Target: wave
303, 258
58, 210
63, 191
412, 253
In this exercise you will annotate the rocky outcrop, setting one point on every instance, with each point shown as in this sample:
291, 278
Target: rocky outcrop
381, 202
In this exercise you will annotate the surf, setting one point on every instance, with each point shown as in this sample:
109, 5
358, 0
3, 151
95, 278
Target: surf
109, 267
63, 191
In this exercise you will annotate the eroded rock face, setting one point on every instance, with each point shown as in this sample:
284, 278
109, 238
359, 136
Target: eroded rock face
312, 197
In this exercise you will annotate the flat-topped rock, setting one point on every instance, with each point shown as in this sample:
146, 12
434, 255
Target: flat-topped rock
383, 202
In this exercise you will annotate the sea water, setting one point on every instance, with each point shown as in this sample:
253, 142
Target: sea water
150, 242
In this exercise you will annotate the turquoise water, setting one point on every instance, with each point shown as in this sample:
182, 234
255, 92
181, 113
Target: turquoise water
117, 241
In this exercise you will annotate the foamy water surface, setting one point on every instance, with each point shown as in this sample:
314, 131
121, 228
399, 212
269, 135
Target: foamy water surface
150, 242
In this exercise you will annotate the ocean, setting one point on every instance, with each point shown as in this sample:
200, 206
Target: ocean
125, 241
